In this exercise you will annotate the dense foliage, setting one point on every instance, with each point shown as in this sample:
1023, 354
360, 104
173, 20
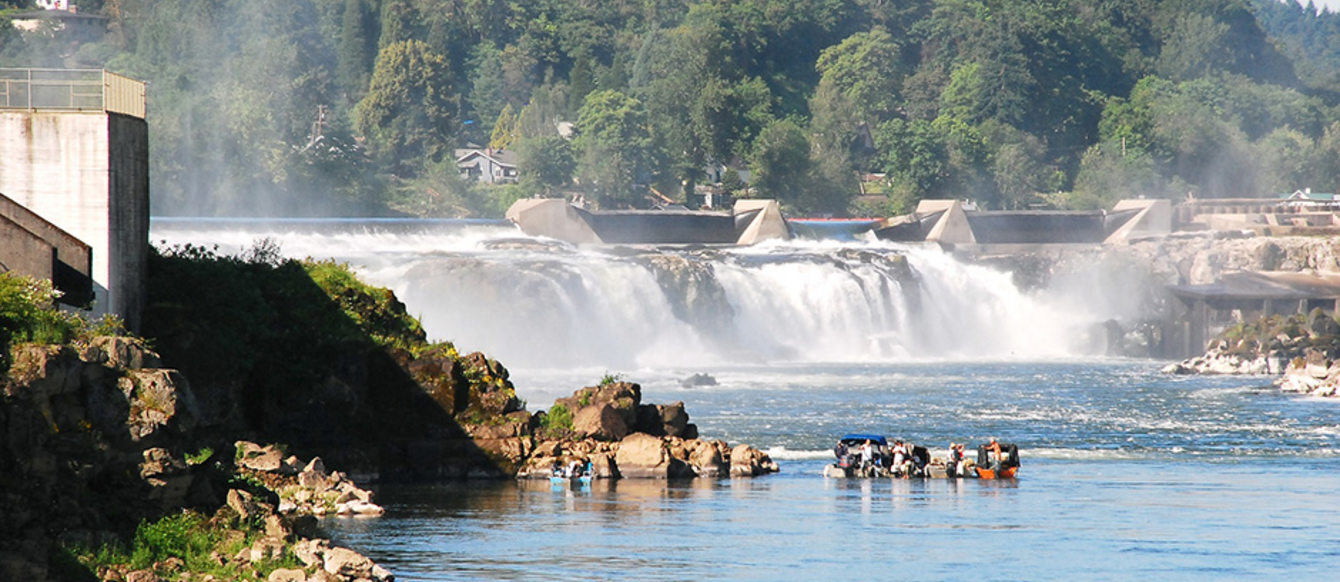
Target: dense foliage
834, 106
28, 313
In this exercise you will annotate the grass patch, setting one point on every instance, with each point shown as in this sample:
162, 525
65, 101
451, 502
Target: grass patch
183, 542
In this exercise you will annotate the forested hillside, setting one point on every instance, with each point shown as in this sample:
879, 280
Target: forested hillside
841, 107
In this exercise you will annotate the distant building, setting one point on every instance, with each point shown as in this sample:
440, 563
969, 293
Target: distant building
1306, 198
67, 23
487, 165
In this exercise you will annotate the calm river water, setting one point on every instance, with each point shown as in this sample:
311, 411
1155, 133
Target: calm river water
1127, 473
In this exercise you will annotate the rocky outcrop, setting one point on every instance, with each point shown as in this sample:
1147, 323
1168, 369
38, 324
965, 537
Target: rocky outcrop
1304, 350
1315, 373
623, 438
96, 441
304, 488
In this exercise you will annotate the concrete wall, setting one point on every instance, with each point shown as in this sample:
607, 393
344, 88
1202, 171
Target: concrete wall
68, 264
25, 253
88, 174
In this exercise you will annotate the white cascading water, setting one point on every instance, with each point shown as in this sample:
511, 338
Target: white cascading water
534, 303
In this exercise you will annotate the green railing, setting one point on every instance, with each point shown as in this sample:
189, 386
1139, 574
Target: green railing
71, 89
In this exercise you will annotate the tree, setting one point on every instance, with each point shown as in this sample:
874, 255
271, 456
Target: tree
779, 164
409, 113
866, 70
357, 50
1110, 172
546, 164
615, 148
506, 130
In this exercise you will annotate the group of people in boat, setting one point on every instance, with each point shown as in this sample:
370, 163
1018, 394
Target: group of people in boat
872, 456
575, 469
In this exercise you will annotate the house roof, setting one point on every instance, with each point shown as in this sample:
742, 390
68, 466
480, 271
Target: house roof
55, 15
500, 157
1309, 195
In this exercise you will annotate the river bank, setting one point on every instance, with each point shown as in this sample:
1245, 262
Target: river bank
106, 437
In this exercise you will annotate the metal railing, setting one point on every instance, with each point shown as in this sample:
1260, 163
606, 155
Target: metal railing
71, 89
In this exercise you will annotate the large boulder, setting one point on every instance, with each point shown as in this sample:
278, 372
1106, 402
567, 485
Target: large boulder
600, 421
624, 397
159, 400
709, 458
747, 461
665, 420
642, 456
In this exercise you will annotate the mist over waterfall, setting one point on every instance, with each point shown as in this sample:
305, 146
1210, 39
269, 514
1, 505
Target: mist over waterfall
537, 303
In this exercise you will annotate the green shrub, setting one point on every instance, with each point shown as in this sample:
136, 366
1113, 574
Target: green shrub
558, 422
175, 536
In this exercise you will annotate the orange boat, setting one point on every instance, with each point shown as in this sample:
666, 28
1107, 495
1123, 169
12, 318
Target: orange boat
1009, 461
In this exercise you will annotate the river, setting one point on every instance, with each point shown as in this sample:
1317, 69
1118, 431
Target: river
1127, 473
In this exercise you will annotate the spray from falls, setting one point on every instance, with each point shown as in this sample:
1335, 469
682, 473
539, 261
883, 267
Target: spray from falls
534, 303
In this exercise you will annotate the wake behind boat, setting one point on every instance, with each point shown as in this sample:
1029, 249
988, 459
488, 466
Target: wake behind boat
861, 455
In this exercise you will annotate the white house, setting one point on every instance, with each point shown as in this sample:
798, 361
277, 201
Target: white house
487, 165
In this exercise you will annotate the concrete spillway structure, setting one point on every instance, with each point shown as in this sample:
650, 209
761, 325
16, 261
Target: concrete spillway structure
951, 222
74, 150
749, 222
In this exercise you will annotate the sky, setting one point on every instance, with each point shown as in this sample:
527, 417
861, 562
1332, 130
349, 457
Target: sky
1334, 5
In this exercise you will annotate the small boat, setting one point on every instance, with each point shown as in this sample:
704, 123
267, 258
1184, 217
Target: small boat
850, 466
575, 480
1009, 462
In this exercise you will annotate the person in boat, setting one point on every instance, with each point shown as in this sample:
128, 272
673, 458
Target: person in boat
993, 450
841, 451
574, 469
899, 453
955, 459
867, 454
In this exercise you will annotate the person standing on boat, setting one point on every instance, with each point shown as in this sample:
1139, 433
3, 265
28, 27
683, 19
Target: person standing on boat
867, 454
841, 452
899, 457
993, 449
955, 459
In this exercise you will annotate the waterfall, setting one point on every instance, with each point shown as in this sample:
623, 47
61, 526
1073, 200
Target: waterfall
537, 303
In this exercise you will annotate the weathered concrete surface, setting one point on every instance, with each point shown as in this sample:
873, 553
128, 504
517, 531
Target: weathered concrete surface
751, 221
766, 224
953, 225
1152, 218
553, 218
87, 172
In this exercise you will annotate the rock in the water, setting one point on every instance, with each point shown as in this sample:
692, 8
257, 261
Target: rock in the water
698, 380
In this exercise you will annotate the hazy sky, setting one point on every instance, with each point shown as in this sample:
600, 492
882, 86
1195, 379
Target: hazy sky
1334, 5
